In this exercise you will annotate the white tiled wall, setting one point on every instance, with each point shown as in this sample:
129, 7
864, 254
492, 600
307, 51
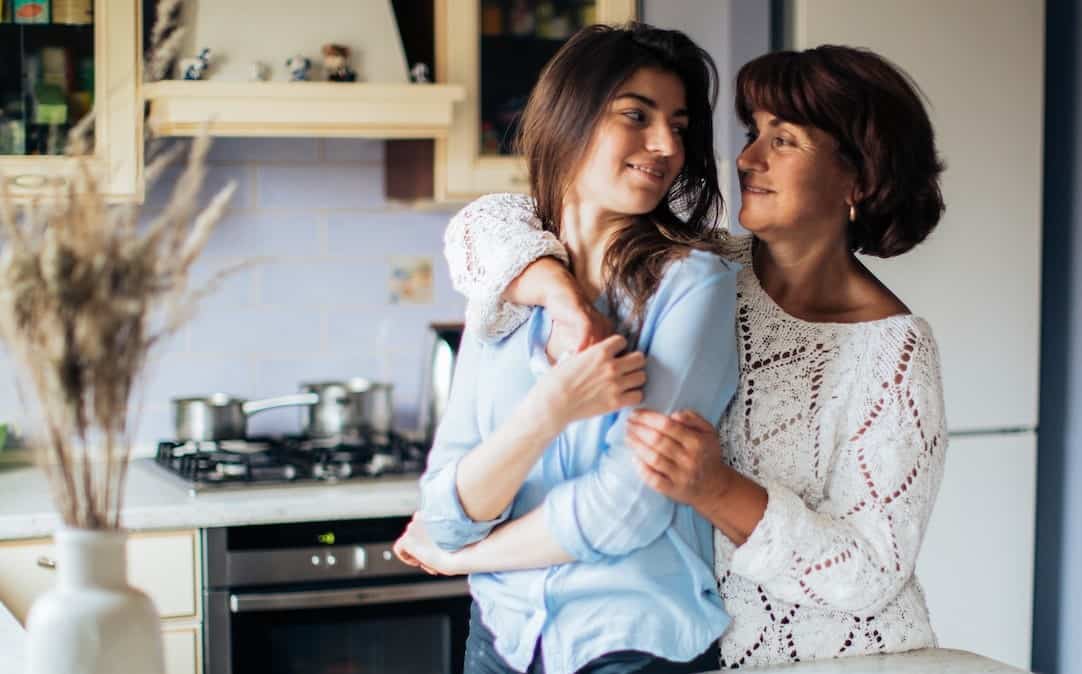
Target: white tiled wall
318, 306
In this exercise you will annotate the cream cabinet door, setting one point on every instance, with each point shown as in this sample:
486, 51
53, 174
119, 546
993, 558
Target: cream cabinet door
164, 565
475, 45
182, 651
114, 39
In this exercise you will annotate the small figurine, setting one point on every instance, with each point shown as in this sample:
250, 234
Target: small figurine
298, 68
336, 63
419, 73
259, 72
193, 68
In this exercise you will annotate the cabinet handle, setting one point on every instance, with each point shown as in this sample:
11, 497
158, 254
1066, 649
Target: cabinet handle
46, 562
29, 181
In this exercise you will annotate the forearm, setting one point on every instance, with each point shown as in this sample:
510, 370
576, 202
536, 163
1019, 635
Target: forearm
737, 508
525, 543
540, 283
492, 473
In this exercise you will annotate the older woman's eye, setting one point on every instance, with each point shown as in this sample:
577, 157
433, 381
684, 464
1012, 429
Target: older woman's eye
749, 136
778, 141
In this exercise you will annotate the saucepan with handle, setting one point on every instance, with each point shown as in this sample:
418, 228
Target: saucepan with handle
220, 416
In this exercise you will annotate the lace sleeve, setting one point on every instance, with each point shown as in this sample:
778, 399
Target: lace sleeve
487, 244
858, 549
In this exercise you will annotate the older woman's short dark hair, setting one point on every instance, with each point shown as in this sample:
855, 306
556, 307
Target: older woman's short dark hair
875, 113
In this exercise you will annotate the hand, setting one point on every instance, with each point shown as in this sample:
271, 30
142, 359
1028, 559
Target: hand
593, 382
679, 456
416, 548
576, 323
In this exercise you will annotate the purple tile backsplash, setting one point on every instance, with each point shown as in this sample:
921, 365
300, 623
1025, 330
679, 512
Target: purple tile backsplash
317, 306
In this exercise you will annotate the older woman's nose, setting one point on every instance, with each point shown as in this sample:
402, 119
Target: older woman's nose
750, 158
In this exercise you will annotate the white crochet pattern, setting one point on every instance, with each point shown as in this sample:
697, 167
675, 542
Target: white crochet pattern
842, 423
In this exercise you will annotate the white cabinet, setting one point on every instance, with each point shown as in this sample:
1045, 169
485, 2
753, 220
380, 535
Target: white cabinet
165, 565
976, 564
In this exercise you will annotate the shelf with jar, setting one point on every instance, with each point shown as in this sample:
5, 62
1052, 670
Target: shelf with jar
59, 59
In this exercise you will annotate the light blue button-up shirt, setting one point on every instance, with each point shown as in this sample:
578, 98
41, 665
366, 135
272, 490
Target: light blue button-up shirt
644, 576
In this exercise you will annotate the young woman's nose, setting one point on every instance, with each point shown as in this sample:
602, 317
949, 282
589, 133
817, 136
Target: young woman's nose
663, 140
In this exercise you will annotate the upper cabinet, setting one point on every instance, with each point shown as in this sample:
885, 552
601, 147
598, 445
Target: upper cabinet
277, 76
59, 60
496, 49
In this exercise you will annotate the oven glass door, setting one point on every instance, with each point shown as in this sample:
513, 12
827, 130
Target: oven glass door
417, 628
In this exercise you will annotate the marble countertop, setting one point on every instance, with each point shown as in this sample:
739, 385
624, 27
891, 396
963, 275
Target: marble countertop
156, 500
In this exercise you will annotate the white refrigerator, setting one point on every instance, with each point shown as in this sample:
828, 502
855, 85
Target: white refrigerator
977, 281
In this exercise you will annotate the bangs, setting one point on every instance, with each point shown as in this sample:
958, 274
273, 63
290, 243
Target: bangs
779, 83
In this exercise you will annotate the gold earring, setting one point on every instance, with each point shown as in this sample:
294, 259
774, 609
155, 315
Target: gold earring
852, 213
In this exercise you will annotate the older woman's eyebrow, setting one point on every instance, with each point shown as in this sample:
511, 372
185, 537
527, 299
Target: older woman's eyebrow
650, 103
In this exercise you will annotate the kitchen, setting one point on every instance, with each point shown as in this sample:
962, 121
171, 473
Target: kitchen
322, 310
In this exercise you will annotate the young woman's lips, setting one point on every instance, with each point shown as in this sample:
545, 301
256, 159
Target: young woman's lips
651, 173
752, 189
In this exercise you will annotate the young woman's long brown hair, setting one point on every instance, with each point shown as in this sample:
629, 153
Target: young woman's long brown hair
575, 89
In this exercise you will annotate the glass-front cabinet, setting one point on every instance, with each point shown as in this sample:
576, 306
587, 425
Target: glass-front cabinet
497, 48
60, 59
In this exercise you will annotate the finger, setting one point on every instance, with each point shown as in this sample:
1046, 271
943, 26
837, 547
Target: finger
694, 420
655, 480
657, 457
629, 398
666, 426
632, 380
634, 361
403, 555
610, 346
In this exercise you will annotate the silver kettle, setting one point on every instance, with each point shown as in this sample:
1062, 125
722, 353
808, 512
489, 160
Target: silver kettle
439, 369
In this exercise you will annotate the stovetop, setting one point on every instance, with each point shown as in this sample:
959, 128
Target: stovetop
289, 460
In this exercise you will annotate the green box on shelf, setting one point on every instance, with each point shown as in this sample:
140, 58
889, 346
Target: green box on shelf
52, 107
30, 11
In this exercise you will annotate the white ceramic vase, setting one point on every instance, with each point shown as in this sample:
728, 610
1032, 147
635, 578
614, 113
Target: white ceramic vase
93, 622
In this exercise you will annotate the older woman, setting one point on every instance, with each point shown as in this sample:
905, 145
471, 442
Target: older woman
831, 454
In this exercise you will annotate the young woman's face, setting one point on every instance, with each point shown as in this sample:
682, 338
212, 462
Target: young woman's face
637, 149
792, 179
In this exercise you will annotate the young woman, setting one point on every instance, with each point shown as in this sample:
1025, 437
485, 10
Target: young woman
821, 477
530, 469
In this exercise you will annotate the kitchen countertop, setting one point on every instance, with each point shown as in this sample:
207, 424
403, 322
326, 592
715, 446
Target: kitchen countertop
924, 661
154, 500
12, 637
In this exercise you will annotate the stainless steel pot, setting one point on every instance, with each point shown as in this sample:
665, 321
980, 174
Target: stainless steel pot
220, 416
439, 368
356, 405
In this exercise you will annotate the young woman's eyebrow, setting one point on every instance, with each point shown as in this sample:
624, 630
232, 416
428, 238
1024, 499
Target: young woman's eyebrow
650, 103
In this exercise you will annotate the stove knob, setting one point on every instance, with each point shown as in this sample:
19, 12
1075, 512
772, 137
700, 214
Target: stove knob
315, 560
331, 561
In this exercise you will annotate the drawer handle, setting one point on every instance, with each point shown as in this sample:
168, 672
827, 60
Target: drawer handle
46, 562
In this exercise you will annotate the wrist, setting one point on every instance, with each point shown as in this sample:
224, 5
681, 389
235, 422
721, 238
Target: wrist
544, 410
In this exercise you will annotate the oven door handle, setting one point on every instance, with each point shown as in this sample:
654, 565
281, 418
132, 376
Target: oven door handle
385, 594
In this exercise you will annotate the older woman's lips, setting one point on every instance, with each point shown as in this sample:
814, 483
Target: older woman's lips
752, 189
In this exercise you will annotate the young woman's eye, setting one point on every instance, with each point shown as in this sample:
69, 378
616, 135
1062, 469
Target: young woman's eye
681, 131
635, 115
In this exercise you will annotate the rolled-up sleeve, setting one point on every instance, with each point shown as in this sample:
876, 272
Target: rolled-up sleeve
441, 509
690, 341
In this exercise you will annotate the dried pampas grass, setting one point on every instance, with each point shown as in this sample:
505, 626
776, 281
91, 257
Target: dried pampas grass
87, 291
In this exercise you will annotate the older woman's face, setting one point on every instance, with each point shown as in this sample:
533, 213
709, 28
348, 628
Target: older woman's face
793, 181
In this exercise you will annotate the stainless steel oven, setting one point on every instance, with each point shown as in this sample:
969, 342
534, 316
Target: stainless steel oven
327, 598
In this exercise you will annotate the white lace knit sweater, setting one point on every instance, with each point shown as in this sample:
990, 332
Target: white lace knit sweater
843, 425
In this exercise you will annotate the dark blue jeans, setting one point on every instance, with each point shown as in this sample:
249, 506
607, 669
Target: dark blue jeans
482, 658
